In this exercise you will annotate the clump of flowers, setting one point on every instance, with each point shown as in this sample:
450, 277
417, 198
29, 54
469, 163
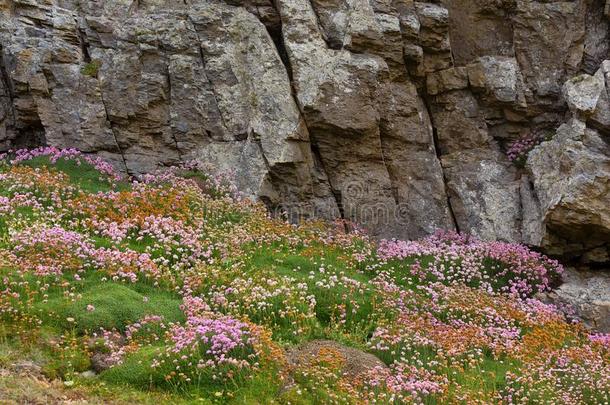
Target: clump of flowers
403, 383
51, 251
209, 346
455, 259
55, 154
518, 150
272, 301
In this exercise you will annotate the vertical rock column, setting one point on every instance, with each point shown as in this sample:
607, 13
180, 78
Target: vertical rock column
364, 116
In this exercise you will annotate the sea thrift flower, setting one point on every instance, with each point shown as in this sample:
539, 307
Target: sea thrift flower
493, 266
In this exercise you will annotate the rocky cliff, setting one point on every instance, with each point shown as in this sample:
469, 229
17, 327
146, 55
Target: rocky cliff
392, 113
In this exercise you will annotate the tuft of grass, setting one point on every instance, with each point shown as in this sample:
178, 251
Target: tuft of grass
116, 306
92, 68
81, 174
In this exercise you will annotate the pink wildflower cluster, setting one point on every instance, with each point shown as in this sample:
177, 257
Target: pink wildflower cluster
602, 339
51, 251
125, 264
54, 251
5, 207
55, 154
139, 328
494, 266
405, 383
204, 330
207, 343
118, 345
518, 150
113, 344
219, 184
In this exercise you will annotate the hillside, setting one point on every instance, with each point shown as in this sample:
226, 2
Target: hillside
401, 116
173, 288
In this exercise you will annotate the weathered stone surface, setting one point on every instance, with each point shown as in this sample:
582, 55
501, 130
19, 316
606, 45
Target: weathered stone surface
484, 194
532, 228
446, 80
600, 118
571, 176
596, 26
587, 294
479, 28
354, 363
549, 44
360, 113
582, 92
500, 78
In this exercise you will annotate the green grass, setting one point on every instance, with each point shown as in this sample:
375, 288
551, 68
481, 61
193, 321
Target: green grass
136, 372
64, 315
91, 68
82, 175
116, 306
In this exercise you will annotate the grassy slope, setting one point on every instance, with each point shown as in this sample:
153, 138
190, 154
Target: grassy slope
119, 304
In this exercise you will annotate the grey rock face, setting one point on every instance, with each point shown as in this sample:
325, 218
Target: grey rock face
571, 176
369, 124
396, 115
582, 92
587, 294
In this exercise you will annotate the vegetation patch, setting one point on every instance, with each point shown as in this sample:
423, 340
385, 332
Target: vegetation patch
175, 289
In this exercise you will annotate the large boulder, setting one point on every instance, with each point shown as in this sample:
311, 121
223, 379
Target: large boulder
571, 177
353, 363
586, 296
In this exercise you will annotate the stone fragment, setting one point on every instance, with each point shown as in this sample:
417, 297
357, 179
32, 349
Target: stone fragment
500, 78
582, 92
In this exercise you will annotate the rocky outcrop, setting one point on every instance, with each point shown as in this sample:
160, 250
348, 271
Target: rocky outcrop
584, 295
396, 115
364, 115
351, 363
571, 174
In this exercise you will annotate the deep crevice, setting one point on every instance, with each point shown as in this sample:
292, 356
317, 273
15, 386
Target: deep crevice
112, 129
258, 143
9, 94
319, 162
83, 42
437, 149
315, 150
169, 106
